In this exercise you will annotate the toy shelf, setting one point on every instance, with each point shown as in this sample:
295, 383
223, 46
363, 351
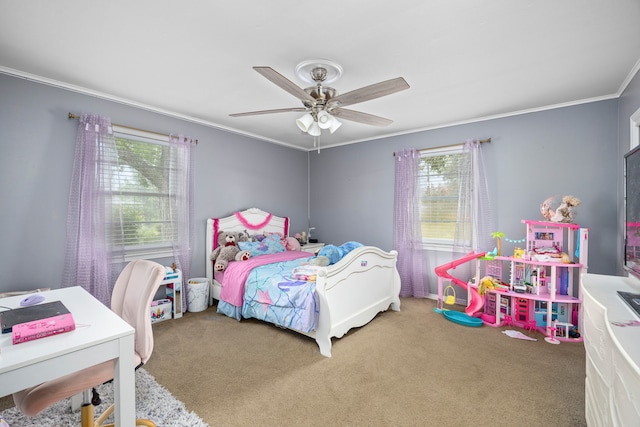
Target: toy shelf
170, 291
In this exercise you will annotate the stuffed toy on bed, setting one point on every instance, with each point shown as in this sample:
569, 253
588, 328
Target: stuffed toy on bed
336, 253
228, 250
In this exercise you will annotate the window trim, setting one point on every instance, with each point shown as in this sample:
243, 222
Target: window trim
634, 132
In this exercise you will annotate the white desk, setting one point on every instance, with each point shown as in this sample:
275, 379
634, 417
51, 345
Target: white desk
100, 335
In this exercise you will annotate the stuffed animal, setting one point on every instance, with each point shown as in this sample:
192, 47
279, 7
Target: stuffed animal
291, 244
330, 252
228, 250
336, 253
321, 261
566, 211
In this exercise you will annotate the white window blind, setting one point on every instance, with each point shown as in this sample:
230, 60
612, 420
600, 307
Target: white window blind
440, 170
141, 196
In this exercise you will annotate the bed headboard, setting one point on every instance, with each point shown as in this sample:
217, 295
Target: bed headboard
252, 220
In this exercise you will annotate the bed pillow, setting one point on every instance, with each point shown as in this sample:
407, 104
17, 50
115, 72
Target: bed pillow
269, 245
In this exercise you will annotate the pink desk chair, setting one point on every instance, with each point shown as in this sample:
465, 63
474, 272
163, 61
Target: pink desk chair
131, 299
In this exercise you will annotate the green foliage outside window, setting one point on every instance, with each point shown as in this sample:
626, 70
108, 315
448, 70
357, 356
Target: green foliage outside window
143, 196
439, 186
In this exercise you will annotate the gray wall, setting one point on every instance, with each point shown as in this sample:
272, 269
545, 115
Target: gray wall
36, 161
574, 150
570, 150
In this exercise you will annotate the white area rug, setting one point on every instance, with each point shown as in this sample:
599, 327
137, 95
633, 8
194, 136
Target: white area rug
153, 401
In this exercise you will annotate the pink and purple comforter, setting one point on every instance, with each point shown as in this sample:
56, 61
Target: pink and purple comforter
264, 288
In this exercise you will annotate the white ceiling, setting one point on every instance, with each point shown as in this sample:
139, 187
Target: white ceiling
465, 60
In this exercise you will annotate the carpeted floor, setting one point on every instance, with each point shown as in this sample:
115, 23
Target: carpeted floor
407, 368
152, 402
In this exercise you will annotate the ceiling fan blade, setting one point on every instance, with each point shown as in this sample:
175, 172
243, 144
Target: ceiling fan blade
373, 91
284, 83
357, 116
280, 110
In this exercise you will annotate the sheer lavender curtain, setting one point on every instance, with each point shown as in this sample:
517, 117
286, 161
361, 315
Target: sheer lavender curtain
90, 259
473, 203
407, 228
181, 191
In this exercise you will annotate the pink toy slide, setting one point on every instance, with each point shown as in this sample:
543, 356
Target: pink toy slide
476, 304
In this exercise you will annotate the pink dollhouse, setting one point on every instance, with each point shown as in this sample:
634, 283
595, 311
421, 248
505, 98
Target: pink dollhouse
539, 286
543, 291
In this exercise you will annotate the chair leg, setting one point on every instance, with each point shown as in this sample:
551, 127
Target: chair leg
86, 415
109, 411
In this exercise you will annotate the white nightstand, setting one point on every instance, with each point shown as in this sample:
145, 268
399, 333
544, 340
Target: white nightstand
312, 247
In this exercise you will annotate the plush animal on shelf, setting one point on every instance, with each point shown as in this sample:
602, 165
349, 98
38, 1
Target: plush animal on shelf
228, 250
565, 210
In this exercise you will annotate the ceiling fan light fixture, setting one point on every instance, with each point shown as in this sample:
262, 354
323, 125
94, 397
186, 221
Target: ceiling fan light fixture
335, 124
314, 129
305, 122
325, 120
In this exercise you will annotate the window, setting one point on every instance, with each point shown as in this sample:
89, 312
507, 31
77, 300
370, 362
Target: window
141, 195
635, 129
440, 175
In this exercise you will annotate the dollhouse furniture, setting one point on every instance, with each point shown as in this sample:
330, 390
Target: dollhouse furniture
611, 333
542, 289
345, 295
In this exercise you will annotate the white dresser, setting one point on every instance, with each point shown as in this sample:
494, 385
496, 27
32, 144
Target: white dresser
611, 332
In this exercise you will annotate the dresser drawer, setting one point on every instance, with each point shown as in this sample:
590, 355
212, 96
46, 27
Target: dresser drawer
597, 341
596, 400
625, 389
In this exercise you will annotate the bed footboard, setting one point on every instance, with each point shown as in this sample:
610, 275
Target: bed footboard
353, 291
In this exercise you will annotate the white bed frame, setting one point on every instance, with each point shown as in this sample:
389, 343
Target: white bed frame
351, 292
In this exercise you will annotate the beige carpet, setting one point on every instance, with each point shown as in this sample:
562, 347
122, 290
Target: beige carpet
153, 401
408, 368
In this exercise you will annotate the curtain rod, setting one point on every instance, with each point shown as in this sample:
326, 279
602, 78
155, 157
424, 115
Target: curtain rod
482, 141
72, 116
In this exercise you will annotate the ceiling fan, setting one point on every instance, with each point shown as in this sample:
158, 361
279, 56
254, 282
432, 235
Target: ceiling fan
322, 104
